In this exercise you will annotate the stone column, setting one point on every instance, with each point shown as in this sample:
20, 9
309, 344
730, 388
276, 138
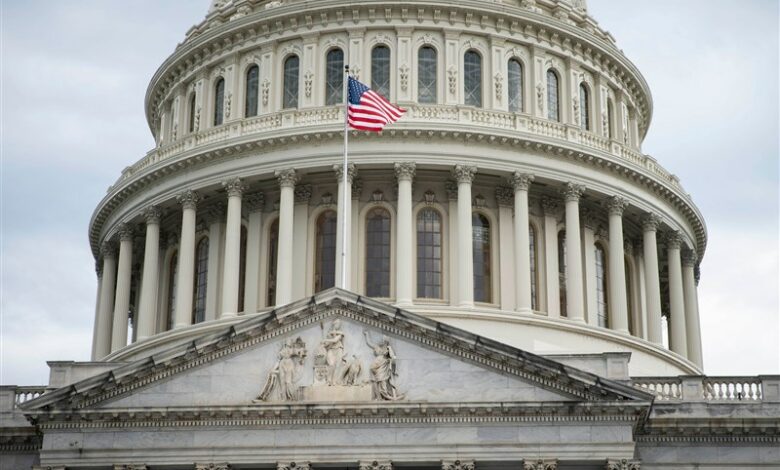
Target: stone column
103, 321
99, 272
452, 230
185, 272
506, 246
122, 294
254, 203
284, 274
230, 270
575, 302
618, 303
464, 174
677, 336
692, 326
148, 305
404, 276
653, 284
551, 208
521, 183
343, 214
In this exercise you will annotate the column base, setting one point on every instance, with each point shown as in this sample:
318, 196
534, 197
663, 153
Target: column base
524, 310
466, 304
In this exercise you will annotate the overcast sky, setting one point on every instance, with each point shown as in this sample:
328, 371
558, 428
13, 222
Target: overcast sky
74, 76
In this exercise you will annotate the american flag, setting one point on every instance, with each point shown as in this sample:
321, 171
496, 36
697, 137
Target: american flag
367, 110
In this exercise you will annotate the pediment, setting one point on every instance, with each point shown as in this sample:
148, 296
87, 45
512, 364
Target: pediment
335, 347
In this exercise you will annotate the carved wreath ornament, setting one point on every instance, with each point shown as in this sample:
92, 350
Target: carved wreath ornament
334, 370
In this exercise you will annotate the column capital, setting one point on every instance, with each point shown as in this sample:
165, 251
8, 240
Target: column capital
351, 172
541, 464
125, 232
303, 193
405, 170
650, 222
214, 213
457, 465
99, 269
505, 196
375, 465
573, 191
212, 466
616, 205
357, 188
550, 206
188, 199
287, 178
293, 466
674, 240
152, 215
464, 173
623, 464
589, 219
452, 190
108, 249
689, 258
235, 187
521, 181
255, 202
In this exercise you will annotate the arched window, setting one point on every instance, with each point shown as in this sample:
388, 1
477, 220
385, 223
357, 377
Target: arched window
193, 111
429, 255
584, 108
426, 75
219, 101
290, 87
173, 266
380, 70
472, 79
325, 257
378, 253
610, 118
553, 107
602, 308
562, 271
629, 297
201, 278
273, 245
252, 91
481, 254
515, 86
532, 250
242, 270
334, 77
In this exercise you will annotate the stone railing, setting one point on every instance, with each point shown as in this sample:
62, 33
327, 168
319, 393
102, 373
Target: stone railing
711, 389
23, 394
476, 118
11, 396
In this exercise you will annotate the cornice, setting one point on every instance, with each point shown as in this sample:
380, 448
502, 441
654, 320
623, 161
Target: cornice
266, 142
228, 35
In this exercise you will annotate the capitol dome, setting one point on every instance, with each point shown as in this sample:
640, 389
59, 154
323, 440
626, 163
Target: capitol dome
512, 199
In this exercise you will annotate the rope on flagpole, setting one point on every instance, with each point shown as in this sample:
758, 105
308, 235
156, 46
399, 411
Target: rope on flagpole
344, 182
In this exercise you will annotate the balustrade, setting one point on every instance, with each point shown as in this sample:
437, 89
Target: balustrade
664, 388
24, 394
732, 388
709, 389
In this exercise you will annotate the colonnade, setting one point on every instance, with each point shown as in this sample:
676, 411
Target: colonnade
684, 339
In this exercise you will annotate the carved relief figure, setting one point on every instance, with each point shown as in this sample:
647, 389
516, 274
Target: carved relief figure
383, 371
332, 351
284, 376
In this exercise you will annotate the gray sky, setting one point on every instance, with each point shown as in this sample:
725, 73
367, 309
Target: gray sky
74, 76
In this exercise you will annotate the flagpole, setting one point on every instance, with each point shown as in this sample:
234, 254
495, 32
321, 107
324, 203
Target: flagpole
344, 182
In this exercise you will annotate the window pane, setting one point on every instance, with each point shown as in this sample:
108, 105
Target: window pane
201, 278
426, 75
172, 271
380, 70
532, 248
325, 269
584, 108
290, 92
562, 271
429, 254
273, 245
242, 269
609, 117
192, 113
252, 79
602, 309
552, 96
334, 77
472, 79
219, 101
515, 72
378, 253
481, 256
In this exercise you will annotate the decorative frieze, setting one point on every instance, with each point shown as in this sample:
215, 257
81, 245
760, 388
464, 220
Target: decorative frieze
188, 199
457, 465
405, 170
464, 173
541, 464
521, 181
235, 187
623, 464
